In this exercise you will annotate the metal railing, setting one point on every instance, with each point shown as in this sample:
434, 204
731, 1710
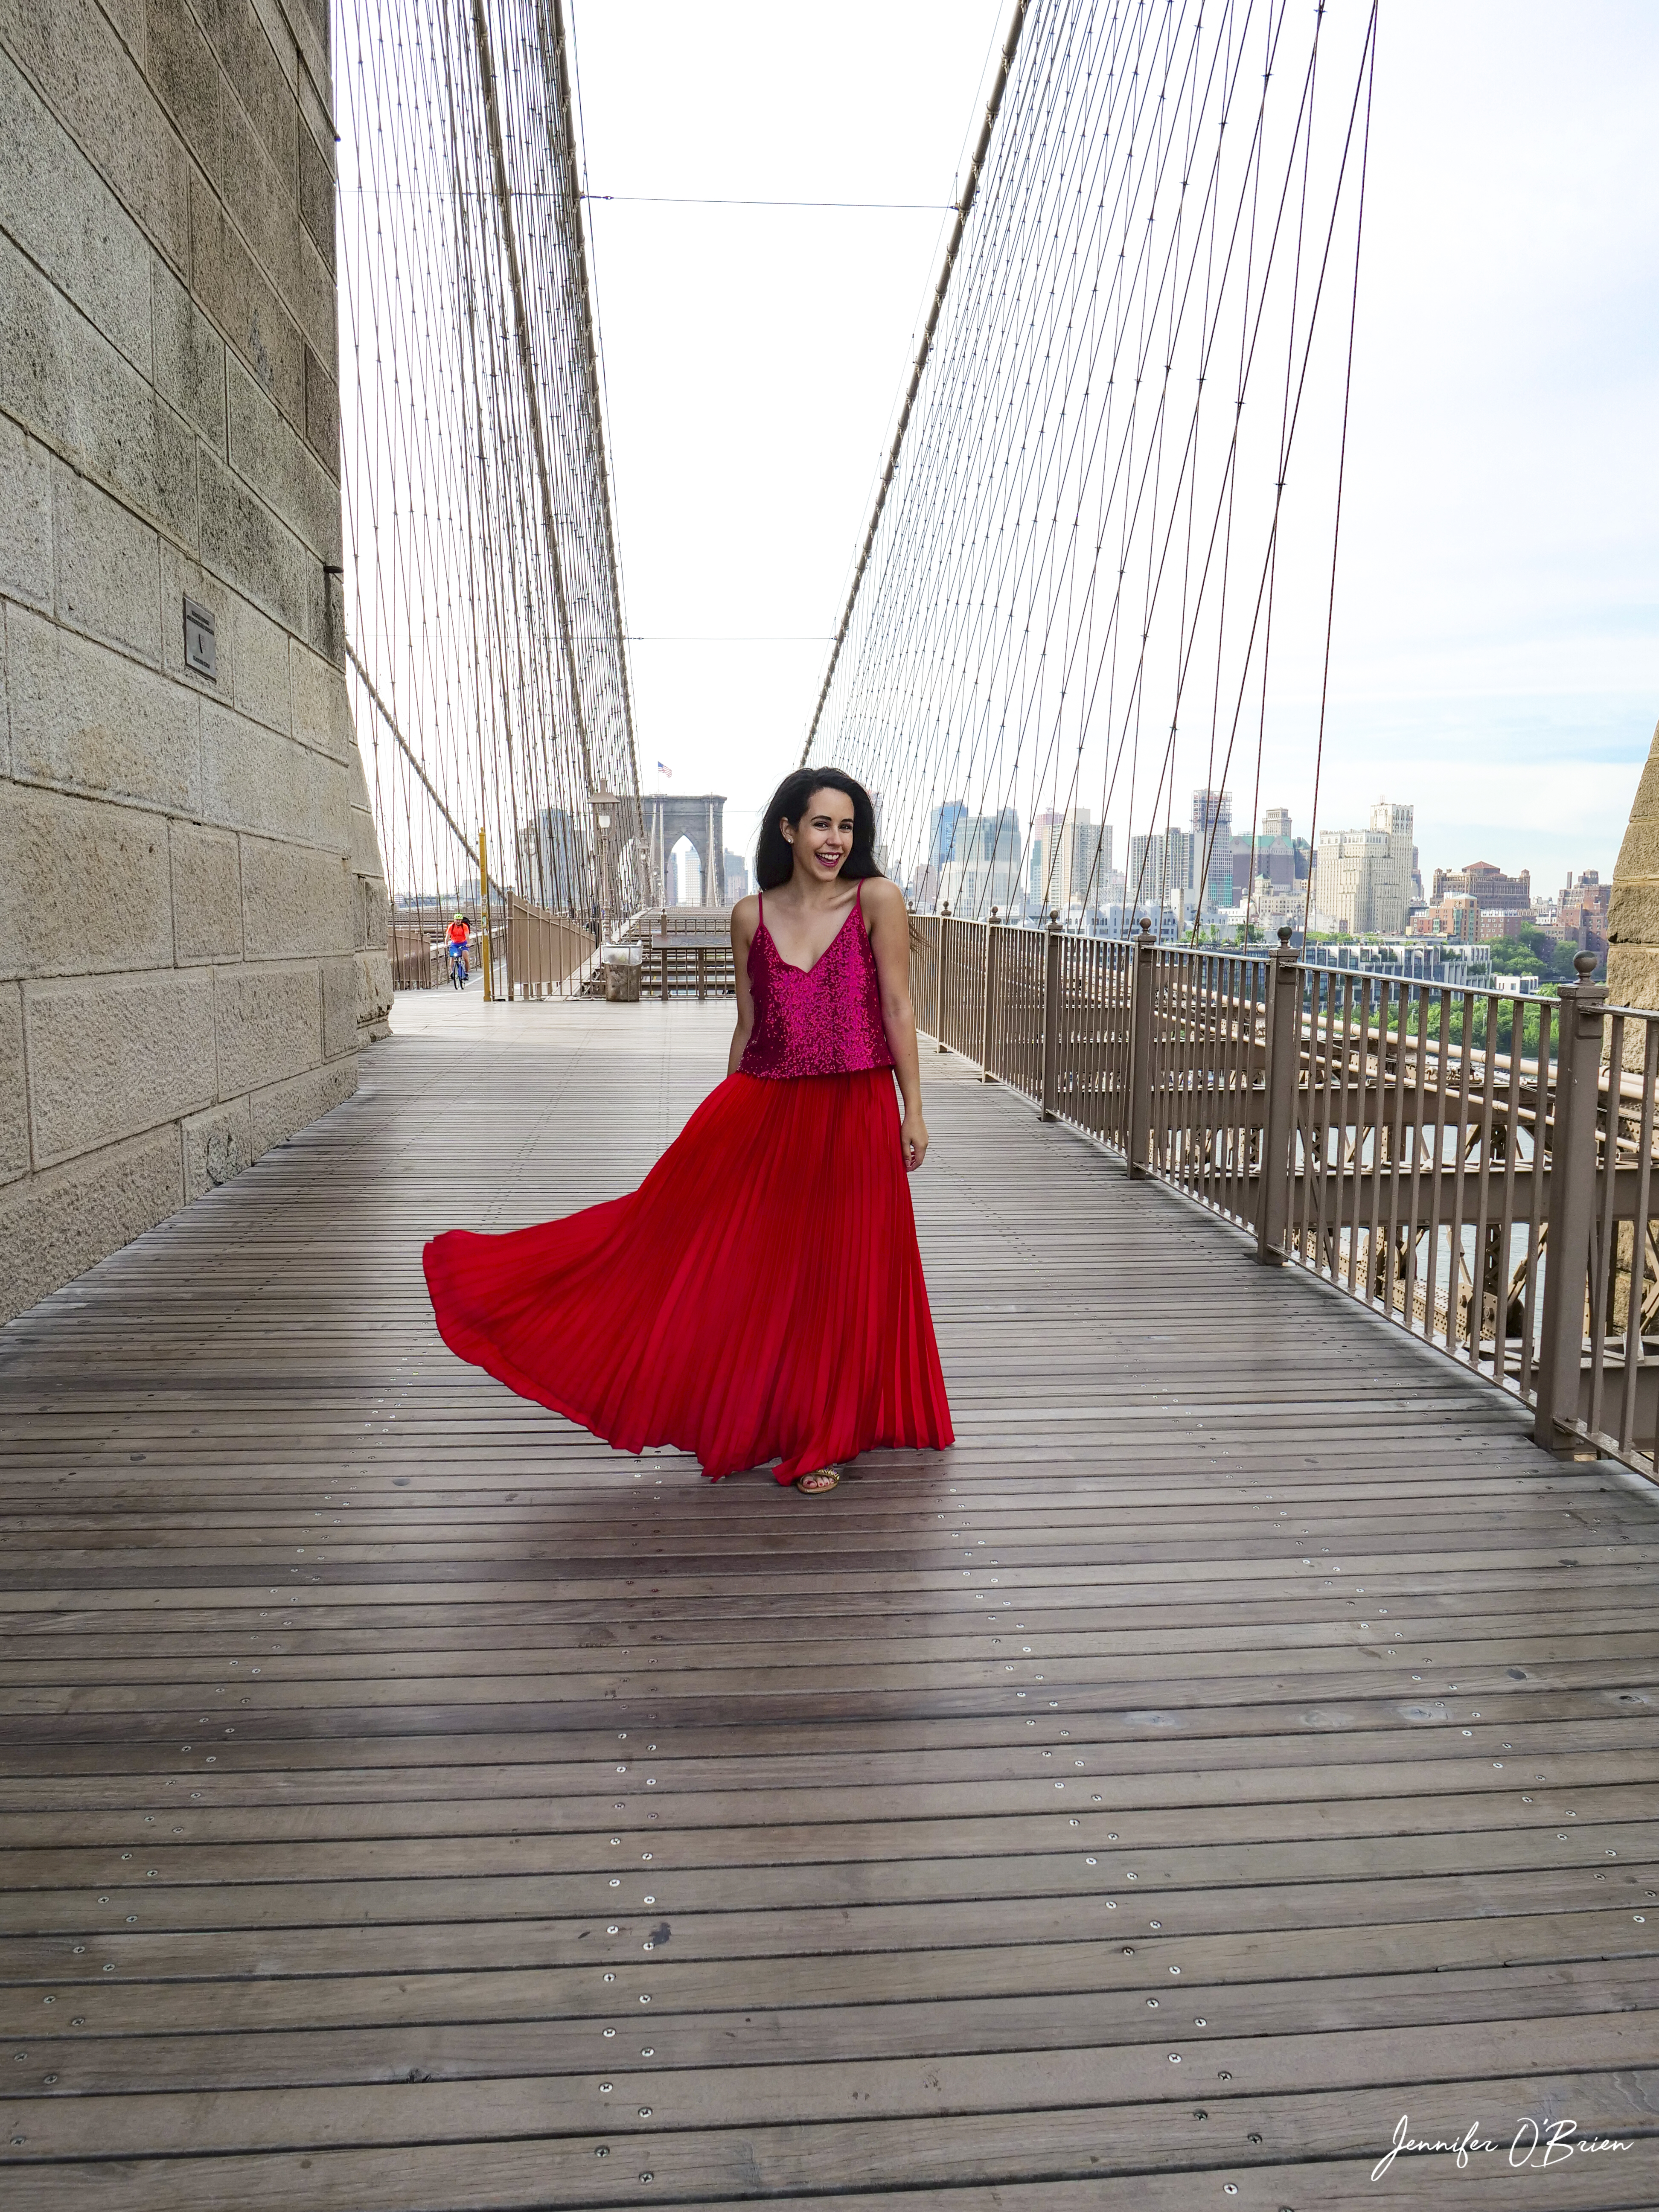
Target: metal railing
687, 952
533, 953
1476, 1166
420, 961
545, 954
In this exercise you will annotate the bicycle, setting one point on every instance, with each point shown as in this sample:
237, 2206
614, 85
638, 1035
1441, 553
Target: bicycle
457, 965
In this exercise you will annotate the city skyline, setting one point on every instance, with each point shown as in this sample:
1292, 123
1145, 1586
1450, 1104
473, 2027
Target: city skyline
955, 828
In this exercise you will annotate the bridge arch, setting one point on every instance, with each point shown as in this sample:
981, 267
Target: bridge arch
699, 818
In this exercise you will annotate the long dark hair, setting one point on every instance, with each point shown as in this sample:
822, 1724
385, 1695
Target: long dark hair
774, 862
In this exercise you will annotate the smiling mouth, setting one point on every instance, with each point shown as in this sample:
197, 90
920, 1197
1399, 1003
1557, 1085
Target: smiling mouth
826, 860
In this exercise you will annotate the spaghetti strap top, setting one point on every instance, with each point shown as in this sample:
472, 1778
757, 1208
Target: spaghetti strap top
821, 1020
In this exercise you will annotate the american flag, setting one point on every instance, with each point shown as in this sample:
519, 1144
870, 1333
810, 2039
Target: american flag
663, 769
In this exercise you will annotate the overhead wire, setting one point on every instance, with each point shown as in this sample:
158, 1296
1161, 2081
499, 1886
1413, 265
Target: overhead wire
489, 642
1045, 575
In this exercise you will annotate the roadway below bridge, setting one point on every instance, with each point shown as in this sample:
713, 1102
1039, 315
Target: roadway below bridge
1242, 1738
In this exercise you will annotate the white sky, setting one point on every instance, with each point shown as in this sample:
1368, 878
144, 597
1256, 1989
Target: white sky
1496, 652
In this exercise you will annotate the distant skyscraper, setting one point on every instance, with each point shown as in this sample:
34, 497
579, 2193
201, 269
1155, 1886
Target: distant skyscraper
1273, 854
1396, 824
984, 872
999, 835
1160, 871
684, 874
1212, 848
1045, 874
1091, 860
945, 833
1070, 860
1364, 878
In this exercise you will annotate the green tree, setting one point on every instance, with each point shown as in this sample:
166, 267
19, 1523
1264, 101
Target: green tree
1532, 948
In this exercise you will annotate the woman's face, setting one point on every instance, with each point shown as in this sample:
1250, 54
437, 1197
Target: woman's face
823, 838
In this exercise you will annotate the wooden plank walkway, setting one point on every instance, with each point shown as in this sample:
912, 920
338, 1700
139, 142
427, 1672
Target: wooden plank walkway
1242, 1739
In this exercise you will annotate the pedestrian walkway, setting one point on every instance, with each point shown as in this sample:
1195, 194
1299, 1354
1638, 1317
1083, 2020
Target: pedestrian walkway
1243, 1738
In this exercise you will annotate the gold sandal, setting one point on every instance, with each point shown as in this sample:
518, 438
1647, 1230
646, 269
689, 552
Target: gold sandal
815, 1476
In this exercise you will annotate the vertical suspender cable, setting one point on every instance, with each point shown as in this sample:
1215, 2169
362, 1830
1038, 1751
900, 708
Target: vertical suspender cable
963, 207
561, 61
533, 390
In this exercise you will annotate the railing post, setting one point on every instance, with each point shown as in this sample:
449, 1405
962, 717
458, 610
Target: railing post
1051, 992
1140, 1076
1571, 1206
1284, 1040
942, 1009
986, 1030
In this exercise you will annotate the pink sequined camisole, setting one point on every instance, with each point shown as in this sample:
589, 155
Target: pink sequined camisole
821, 1020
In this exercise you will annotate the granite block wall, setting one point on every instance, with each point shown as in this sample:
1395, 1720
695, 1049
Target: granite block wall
1633, 918
193, 921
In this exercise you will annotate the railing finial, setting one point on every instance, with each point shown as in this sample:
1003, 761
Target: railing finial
1285, 932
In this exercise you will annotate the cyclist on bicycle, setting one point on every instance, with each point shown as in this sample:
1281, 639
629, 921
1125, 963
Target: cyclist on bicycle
460, 936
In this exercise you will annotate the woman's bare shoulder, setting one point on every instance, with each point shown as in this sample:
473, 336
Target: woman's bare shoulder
882, 897
745, 916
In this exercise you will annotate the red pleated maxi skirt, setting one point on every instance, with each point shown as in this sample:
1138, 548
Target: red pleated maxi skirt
758, 1298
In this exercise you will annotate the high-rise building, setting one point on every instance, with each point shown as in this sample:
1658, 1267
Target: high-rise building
1070, 859
947, 842
1212, 849
737, 878
1091, 861
998, 835
1159, 874
1396, 824
985, 872
1353, 882
1045, 872
945, 831
683, 871
1364, 878
1273, 855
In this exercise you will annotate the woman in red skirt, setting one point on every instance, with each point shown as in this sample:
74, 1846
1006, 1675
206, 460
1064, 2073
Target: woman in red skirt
760, 1296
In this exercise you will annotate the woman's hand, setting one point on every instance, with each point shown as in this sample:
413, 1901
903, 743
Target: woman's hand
912, 1140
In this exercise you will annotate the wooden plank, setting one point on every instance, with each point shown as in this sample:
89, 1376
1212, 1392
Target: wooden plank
530, 2047
729, 2164
357, 1934
1010, 2083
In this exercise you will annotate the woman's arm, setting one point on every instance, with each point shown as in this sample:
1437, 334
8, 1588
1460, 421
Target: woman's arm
890, 939
745, 916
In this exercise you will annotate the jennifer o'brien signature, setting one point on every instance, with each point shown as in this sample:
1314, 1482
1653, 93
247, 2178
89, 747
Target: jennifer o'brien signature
1536, 2143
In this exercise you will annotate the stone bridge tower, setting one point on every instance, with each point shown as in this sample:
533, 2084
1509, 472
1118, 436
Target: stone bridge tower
192, 913
1633, 917
700, 818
